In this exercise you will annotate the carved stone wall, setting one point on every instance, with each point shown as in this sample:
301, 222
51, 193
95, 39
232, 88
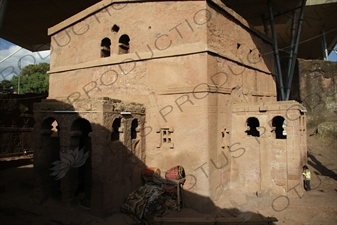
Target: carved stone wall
268, 147
188, 67
116, 156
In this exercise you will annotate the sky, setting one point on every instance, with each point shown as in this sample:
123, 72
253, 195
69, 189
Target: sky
333, 55
13, 58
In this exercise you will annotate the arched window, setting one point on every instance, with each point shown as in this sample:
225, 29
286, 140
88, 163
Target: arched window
81, 125
124, 44
115, 129
279, 124
105, 47
253, 123
50, 125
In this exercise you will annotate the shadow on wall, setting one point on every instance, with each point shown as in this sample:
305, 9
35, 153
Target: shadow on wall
97, 166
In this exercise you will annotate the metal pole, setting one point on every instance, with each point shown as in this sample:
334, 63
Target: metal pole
276, 53
322, 45
299, 30
325, 49
285, 12
266, 30
292, 37
19, 84
292, 40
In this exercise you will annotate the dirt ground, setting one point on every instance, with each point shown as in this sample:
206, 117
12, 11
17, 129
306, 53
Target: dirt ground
315, 207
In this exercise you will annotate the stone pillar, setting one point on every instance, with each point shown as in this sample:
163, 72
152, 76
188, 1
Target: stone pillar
41, 165
100, 192
69, 182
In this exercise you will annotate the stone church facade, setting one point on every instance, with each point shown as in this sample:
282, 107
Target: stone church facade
160, 84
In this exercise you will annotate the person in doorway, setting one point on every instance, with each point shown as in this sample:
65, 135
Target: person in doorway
307, 178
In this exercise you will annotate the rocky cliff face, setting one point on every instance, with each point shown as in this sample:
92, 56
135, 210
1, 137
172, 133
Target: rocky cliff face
315, 86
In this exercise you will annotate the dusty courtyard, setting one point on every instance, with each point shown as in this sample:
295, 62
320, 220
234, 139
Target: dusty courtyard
318, 206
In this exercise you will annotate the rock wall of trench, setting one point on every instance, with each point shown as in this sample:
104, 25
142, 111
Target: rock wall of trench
315, 86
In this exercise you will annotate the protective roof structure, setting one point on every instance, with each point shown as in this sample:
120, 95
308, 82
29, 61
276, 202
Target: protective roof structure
25, 22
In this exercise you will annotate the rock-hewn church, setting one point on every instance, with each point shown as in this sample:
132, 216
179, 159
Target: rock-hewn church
166, 83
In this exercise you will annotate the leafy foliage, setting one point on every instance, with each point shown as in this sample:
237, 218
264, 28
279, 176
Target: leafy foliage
33, 79
40, 68
6, 86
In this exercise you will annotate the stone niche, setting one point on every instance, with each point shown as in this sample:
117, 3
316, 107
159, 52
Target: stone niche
109, 130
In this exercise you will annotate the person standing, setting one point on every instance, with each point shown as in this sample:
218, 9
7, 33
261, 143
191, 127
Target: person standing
307, 178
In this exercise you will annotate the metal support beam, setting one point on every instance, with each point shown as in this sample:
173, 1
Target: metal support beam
324, 46
284, 91
294, 58
276, 54
285, 12
292, 43
266, 30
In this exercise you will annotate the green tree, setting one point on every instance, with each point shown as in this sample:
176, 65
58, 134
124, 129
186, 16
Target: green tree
33, 79
6, 86
31, 69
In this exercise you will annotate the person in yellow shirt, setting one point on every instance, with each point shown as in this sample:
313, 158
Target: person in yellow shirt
307, 178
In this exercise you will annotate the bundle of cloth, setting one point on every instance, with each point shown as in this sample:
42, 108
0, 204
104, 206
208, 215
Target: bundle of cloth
142, 202
155, 196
